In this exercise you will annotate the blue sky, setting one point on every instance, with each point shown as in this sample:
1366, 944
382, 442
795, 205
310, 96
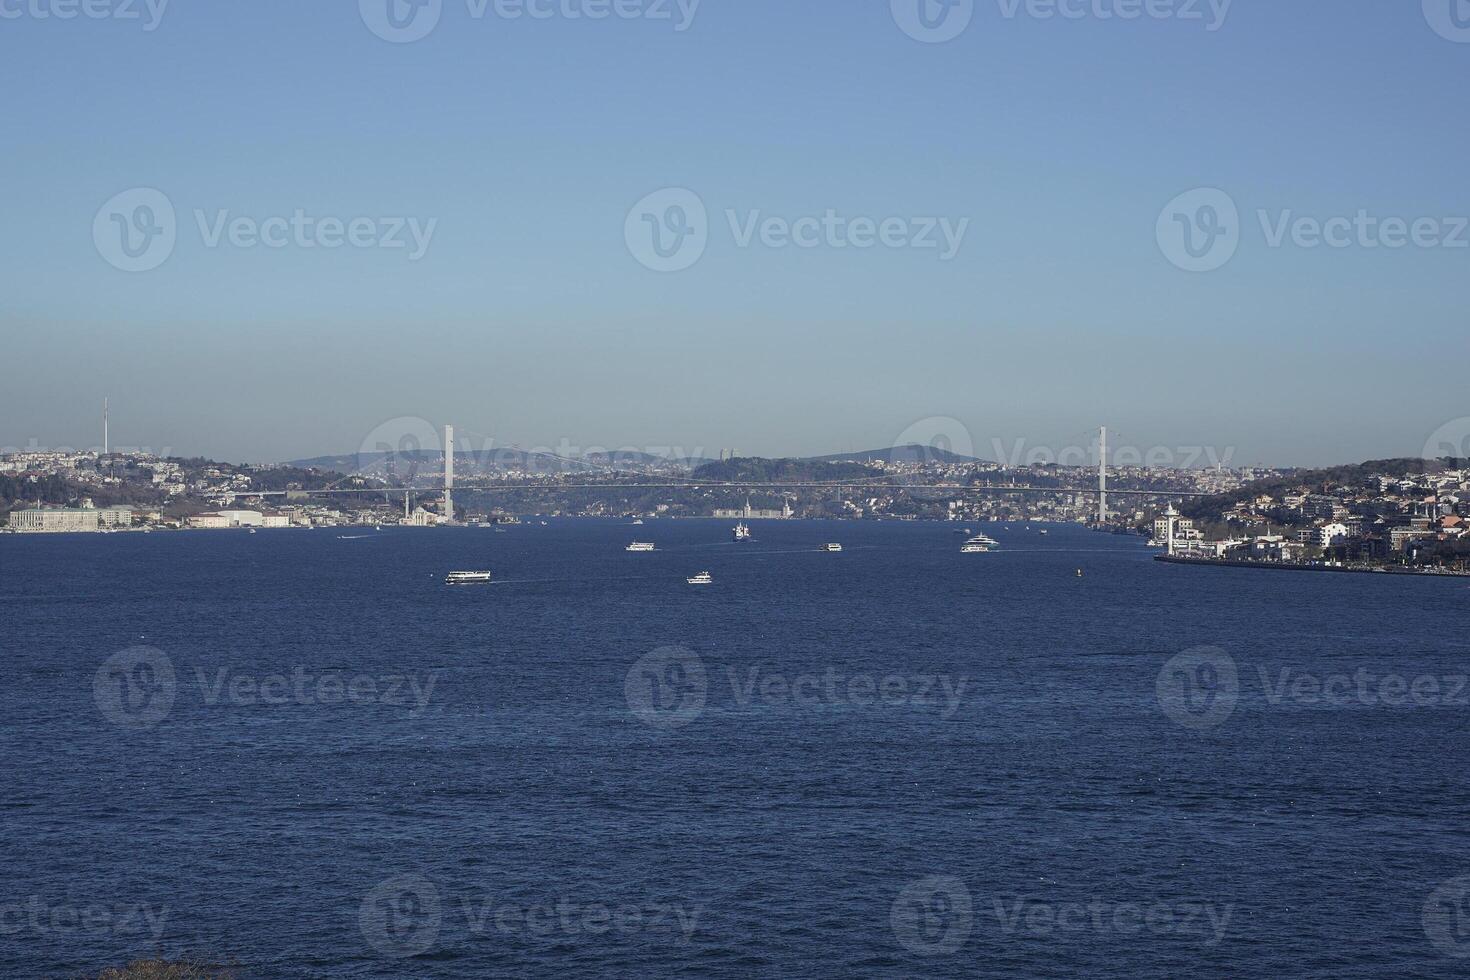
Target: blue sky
527, 141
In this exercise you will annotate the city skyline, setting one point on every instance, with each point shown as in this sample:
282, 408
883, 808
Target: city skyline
1077, 448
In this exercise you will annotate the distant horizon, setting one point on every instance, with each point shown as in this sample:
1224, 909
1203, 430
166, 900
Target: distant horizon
1019, 453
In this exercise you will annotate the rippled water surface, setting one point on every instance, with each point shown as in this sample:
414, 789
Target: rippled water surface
301, 752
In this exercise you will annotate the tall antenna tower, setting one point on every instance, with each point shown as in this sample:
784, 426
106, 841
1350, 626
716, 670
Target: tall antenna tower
1102, 477
105, 443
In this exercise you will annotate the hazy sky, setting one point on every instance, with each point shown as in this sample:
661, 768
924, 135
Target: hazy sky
527, 310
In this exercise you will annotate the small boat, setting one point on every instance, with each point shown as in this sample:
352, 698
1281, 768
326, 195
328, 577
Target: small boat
1043, 530
252, 530
833, 546
703, 578
639, 521
377, 527
640, 546
1079, 573
741, 532
467, 578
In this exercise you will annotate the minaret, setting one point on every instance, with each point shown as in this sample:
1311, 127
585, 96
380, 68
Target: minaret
1171, 517
449, 474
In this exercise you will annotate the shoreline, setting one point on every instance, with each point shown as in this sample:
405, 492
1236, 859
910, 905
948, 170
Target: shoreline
1299, 567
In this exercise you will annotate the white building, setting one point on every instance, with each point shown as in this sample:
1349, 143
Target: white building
228, 518
54, 519
115, 517
1332, 534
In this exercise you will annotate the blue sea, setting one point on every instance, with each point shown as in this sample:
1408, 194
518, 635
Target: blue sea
300, 753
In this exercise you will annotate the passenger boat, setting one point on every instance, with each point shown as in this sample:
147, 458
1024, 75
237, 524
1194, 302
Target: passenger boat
467, 578
640, 546
703, 578
834, 546
741, 532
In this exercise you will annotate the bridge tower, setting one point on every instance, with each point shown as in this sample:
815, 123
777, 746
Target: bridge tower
449, 474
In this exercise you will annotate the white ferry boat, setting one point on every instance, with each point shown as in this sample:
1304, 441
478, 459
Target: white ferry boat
640, 546
467, 578
741, 532
703, 578
834, 546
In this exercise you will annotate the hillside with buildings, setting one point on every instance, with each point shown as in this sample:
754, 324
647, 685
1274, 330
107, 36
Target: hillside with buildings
1405, 512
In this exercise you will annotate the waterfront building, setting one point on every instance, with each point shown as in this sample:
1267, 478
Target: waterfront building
756, 513
112, 517
228, 518
55, 519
